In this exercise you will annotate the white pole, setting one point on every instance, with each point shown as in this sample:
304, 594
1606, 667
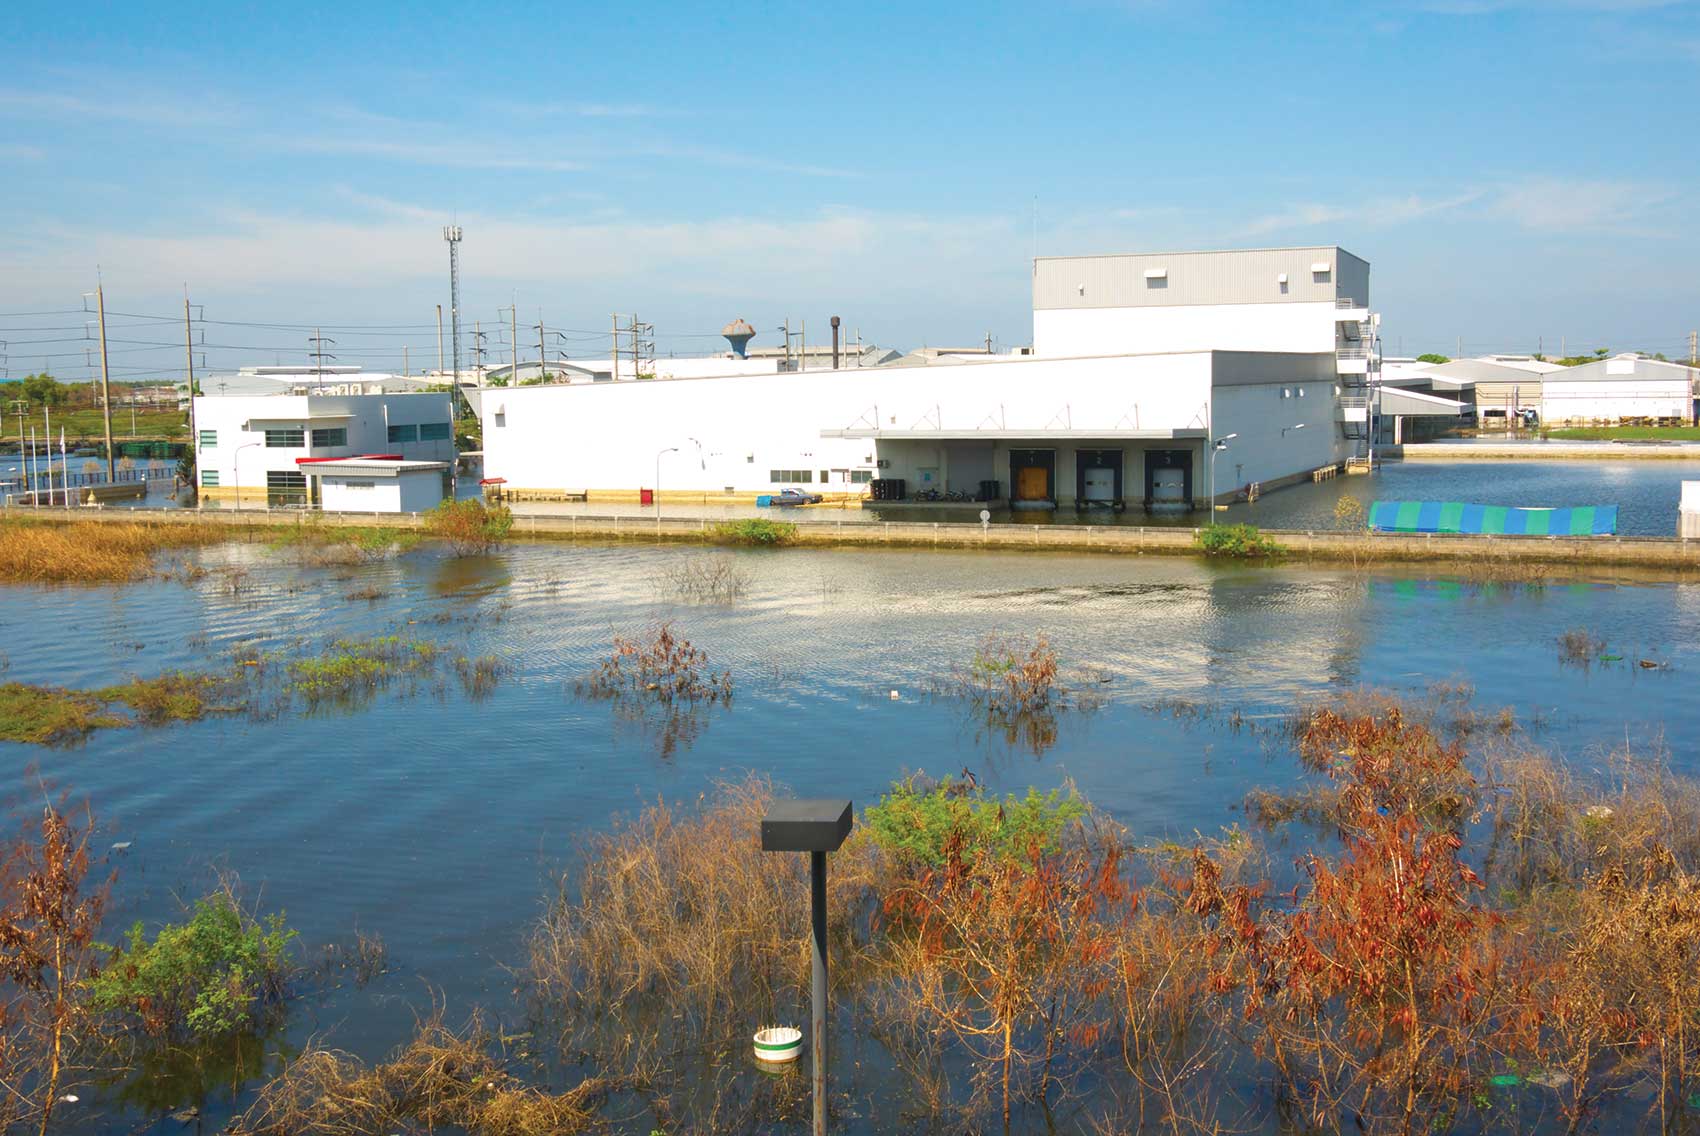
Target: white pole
64, 469
32, 469
47, 444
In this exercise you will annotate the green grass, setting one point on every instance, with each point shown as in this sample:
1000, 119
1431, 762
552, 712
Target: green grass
356, 668
48, 715
758, 532
1626, 433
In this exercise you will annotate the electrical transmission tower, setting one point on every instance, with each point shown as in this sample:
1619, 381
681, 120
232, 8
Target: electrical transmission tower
477, 353
451, 234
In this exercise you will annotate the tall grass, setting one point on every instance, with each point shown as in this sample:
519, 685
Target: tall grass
33, 550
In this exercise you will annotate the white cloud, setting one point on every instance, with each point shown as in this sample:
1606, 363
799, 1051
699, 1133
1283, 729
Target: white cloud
117, 106
449, 155
1377, 213
1568, 205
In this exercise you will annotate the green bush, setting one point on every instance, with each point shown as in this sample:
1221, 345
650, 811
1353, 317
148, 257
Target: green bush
471, 527
215, 974
755, 532
919, 823
1240, 541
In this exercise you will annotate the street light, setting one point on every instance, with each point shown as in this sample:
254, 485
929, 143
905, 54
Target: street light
236, 461
1219, 445
668, 450
816, 827
1284, 429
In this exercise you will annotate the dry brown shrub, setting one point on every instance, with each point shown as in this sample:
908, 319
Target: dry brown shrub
441, 1078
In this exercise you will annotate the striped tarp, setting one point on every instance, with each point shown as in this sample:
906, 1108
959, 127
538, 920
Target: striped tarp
1456, 517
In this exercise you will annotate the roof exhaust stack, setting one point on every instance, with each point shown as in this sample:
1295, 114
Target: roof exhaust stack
835, 343
738, 333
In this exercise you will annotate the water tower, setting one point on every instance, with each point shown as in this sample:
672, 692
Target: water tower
738, 333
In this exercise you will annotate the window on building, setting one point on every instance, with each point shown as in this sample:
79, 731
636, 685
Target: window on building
798, 476
825, 476
209, 439
209, 479
289, 438
286, 486
404, 434
861, 476
334, 436
434, 432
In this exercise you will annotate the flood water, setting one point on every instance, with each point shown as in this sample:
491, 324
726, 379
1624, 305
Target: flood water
442, 823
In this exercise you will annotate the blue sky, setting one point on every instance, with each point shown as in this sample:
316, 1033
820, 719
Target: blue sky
1516, 172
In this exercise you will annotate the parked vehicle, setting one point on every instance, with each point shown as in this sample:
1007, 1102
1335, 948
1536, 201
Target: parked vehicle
796, 497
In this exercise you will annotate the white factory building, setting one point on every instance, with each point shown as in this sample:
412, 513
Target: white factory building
1622, 390
266, 447
1139, 363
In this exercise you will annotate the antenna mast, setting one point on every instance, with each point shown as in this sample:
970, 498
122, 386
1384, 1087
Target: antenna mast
451, 234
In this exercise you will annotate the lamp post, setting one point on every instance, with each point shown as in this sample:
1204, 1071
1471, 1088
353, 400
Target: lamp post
668, 450
816, 827
236, 462
1284, 429
1217, 447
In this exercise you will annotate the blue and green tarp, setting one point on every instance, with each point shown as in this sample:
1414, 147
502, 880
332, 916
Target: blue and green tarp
1457, 517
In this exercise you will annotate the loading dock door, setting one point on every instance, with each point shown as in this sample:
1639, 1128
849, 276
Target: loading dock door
1098, 477
1168, 479
1031, 473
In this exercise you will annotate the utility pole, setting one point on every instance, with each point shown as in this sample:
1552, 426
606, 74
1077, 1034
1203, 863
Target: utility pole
786, 328
405, 373
439, 339
1693, 344
451, 234
988, 343
478, 353
105, 382
803, 346
543, 354
189, 361
513, 337
614, 323
318, 341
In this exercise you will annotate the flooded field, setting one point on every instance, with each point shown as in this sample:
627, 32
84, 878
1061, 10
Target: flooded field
439, 815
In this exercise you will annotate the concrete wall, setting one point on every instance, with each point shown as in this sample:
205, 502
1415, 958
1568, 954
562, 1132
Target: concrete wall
241, 421
1065, 332
1263, 452
604, 437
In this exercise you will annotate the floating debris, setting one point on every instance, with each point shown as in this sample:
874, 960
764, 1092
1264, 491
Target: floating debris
122, 846
1599, 812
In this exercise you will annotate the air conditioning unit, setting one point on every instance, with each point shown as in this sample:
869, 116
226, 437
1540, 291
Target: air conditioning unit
883, 463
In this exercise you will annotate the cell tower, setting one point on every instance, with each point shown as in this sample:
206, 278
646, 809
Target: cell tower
451, 234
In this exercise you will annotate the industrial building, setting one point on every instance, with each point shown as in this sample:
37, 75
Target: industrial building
1155, 380
257, 448
1622, 390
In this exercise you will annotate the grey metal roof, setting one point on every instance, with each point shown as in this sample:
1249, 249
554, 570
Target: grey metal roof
1626, 368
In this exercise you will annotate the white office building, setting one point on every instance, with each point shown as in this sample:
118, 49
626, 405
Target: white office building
1140, 363
257, 447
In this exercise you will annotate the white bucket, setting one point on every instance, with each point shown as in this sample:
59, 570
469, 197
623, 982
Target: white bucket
778, 1043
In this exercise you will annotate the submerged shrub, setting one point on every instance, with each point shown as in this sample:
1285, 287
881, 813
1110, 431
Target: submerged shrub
471, 527
755, 531
658, 666
704, 579
218, 973
1244, 542
1013, 676
439, 1079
